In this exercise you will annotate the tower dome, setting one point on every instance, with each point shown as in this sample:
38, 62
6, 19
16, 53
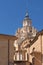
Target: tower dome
27, 20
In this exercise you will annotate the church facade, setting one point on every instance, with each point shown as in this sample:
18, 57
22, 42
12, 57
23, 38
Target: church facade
25, 48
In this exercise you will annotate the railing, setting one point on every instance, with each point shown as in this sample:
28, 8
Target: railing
20, 57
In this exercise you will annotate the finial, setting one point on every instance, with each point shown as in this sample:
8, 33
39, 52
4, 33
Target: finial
27, 15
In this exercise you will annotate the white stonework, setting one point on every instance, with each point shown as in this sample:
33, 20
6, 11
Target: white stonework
24, 34
26, 31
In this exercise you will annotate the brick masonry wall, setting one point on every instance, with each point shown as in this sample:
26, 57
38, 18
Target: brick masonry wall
3, 52
42, 49
11, 52
37, 46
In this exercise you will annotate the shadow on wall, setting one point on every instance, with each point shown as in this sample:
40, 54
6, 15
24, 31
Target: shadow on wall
10, 63
30, 63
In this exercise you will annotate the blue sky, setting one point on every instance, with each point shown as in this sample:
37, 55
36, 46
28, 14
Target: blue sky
12, 13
